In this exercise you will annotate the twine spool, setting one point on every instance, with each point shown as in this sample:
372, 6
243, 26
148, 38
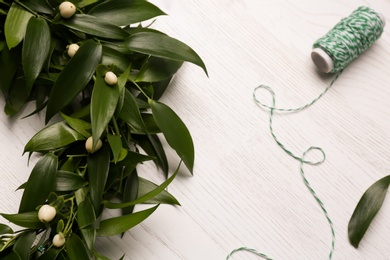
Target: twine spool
347, 40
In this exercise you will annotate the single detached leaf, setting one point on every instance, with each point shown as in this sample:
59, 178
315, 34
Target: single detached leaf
40, 183
175, 131
98, 168
52, 137
16, 24
103, 104
366, 210
26, 219
36, 47
94, 26
75, 248
117, 225
74, 77
23, 244
125, 12
68, 181
160, 45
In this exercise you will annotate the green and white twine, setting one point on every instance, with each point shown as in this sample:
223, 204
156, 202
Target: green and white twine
346, 41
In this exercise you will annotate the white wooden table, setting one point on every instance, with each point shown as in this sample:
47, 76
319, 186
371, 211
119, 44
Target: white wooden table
245, 190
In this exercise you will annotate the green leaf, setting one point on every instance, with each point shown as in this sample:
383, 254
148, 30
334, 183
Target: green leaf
9, 63
125, 12
17, 95
103, 104
164, 197
23, 244
16, 24
113, 57
40, 183
158, 69
175, 132
75, 248
74, 77
117, 225
130, 113
115, 142
85, 217
122, 79
133, 158
68, 181
94, 26
39, 6
81, 126
145, 197
152, 145
130, 192
98, 168
26, 219
100, 257
51, 254
4, 229
36, 47
52, 137
163, 46
366, 210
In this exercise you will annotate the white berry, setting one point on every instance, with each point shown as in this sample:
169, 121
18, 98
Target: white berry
72, 49
110, 78
59, 240
89, 143
67, 9
46, 213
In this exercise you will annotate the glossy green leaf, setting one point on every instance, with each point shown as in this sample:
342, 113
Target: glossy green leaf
50, 254
160, 87
158, 69
100, 257
115, 142
152, 145
9, 63
26, 219
4, 229
133, 158
130, 192
75, 76
117, 225
130, 113
113, 57
68, 181
98, 167
39, 6
150, 123
40, 183
81, 126
145, 197
16, 24
75, 248
163, 46
83, 3
125, 12
36, 47
94, 26
17, 96
366, 210
23, 244
164, 197
103, 104
52, 137
175, 132
122, 79
85, 217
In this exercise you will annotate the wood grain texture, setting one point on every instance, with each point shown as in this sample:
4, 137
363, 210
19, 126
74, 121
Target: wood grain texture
245, 190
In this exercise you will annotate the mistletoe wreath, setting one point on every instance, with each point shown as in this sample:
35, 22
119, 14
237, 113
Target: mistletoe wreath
92, 64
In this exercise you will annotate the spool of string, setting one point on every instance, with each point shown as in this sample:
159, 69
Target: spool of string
331, 53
